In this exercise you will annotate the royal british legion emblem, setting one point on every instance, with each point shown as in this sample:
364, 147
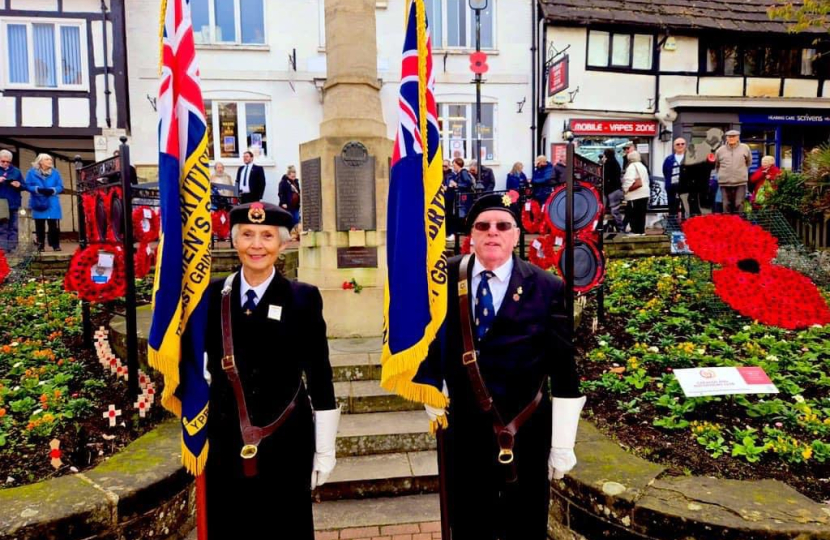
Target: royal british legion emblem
256, 213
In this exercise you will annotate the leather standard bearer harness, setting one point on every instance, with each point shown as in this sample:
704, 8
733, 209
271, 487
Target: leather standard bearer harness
251, 435
505, 431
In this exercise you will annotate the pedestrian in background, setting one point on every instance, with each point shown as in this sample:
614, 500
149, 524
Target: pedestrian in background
44, 182
289, 192
612, 186
542, 179
219, 175
487, 178
637, 189
732, 161
11, 185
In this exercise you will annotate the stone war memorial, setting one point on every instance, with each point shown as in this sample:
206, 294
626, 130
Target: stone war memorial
702, 347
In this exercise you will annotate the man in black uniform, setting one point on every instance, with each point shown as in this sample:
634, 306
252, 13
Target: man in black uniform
263, 464
499, 486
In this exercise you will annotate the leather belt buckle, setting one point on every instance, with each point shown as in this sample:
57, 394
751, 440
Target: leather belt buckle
505, 456
506, 441
228, 363
249, 451
468, 357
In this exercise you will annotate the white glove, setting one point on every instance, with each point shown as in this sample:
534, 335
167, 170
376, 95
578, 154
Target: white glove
325, 435
565, 418
437, 415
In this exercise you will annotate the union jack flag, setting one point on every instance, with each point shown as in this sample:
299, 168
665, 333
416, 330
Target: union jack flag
176, 339
416, 291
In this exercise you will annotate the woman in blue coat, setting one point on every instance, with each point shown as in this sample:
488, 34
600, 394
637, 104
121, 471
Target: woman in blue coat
44, 182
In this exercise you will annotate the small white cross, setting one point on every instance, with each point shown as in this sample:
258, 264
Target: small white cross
150, 393
112, 413
143, 379
55, 453
114, 364
142, 406
122, 371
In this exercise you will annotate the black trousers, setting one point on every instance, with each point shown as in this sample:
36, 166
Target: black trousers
637, 215
54, 232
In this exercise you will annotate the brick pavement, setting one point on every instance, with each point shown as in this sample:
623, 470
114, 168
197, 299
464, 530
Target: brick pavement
413, 531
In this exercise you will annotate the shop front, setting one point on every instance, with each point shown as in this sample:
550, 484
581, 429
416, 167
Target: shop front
594, 136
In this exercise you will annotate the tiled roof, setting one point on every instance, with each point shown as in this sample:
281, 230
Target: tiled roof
736, 15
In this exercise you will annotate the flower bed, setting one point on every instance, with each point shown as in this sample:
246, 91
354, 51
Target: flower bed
53, 388
660, 318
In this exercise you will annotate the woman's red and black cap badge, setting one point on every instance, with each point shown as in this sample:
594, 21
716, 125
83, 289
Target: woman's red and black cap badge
261, 213
748, 281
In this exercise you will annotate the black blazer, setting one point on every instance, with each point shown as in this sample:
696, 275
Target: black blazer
256, 184
526, 342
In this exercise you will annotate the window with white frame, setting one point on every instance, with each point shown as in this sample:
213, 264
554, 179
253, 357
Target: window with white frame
620, 50
236, 126
239, 22
45, 54
453, 24
457, 123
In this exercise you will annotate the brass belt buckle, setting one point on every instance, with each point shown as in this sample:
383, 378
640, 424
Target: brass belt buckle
228, 362
468, 357
249, 451
505, 456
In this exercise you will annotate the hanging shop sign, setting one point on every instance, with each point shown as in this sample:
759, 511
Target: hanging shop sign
628, 128
558, 76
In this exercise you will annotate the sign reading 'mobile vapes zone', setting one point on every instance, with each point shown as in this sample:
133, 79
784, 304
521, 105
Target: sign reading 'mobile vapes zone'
718, 381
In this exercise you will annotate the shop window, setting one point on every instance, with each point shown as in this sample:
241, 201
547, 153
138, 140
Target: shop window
45, 55
457, 124
239, 22
453, 24
761, 61
617, 50
236, 126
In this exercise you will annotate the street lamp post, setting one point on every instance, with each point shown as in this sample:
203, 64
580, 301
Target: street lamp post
478, 5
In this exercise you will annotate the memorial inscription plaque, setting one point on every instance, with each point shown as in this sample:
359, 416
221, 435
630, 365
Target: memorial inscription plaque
357, 257
312, 196
355, 203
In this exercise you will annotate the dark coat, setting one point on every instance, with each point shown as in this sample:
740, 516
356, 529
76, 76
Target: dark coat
271, 357
9, 192
516, 182
525, 343
286, 192
611, 175
488, 179
256, 184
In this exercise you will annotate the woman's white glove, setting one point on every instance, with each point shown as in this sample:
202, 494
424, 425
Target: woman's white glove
565, 420
325, 437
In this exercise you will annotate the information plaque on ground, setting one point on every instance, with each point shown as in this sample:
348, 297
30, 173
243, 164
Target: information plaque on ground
357, 257
355, 203
312, 196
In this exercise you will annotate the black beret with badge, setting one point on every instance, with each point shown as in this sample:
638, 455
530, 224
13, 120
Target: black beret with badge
491, 201
261, 213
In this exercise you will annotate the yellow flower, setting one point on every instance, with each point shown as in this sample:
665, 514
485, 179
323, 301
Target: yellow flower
807, 453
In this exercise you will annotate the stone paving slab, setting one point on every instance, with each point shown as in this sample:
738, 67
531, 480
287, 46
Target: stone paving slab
379, 476
689, 506
355, 345
379, 512
423, 463
368, 397
383, 433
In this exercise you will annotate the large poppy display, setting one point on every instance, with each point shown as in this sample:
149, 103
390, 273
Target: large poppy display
748, 281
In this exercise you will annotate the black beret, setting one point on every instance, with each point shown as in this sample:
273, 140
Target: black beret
261, 213
491, 201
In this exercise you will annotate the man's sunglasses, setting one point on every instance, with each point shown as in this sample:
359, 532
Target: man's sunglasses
484, 226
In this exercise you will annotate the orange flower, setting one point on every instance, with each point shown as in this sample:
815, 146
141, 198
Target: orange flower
2, 413
60, 362
57, 393
45, 407
43, 398
30, 426
7, 349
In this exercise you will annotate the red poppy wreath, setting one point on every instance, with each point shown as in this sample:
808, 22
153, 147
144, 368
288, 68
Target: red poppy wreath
96, 273
533, 217
5, 270
221, 224
145, 225
542, 251
109, 198
90, 201
145, 258
747, 280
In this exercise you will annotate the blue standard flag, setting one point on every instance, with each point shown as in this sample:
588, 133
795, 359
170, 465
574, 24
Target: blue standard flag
415, 302
183, 268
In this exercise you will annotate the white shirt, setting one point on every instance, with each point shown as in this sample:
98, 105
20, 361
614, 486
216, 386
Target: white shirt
498, 284
679, 158
243, 183
260, 289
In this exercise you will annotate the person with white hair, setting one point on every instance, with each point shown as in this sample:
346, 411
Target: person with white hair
11, 185
44, 182
273, 414
637, 189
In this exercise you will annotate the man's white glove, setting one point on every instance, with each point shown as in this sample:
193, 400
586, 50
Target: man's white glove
437, 415
325, 435
565, 420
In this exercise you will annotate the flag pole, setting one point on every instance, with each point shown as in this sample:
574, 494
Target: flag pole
201, 507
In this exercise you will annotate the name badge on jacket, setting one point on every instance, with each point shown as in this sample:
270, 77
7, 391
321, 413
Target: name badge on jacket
275, 312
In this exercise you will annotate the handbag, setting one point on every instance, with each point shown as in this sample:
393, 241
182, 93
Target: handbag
638, 183
40, 203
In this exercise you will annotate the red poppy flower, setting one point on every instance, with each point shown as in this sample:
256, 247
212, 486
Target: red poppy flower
90, 202
221, 224
748, 281
145, 225
543, 252
5, 270
467, 245
533, 217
